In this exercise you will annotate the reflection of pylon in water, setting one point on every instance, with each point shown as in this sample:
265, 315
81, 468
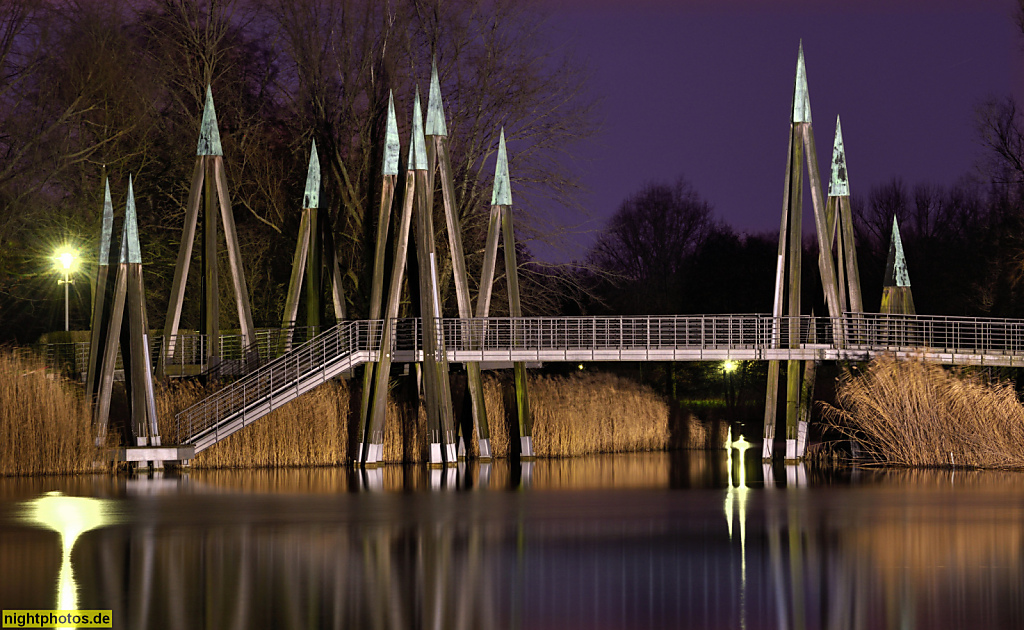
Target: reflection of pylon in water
801, 148
315, 241
897, 298
209, 189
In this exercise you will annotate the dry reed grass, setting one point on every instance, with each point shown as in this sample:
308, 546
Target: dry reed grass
577, 415
599, 413
310, 431
45, 425
910, 413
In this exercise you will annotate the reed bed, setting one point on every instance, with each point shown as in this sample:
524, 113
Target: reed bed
910, 413
45, 425
310, 431
593, 413
598, 413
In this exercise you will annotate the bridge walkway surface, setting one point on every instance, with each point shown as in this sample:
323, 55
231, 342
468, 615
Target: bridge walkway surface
853, 337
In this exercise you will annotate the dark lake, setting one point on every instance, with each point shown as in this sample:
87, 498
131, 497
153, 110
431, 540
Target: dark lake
687, 540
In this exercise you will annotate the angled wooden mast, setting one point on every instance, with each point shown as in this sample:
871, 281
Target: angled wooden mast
801, 148
133, 332
501, 219
314, 242
101, 297
438, 159
428, 156
436, 384
840, 219
370, 403
897, 298
209, 186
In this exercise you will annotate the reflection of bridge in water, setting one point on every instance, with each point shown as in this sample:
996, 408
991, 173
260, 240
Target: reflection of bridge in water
316, 549
855, 337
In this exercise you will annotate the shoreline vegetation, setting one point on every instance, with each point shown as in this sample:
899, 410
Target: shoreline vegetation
45, 425
898, 413
914, 414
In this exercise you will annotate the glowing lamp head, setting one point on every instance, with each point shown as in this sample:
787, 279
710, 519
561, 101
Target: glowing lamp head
730, 366
66, 259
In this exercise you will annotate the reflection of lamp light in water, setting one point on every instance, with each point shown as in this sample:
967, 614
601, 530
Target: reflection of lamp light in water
70, 517
737, 494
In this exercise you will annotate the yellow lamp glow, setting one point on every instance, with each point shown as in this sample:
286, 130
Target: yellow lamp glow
66, 259
70, 517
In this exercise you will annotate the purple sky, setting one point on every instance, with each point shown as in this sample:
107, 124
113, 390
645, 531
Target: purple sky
702, 88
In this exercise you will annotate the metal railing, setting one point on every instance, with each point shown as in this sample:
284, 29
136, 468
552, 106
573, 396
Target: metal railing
855, 335
281, 378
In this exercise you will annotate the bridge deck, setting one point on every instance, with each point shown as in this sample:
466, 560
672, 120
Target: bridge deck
855, 337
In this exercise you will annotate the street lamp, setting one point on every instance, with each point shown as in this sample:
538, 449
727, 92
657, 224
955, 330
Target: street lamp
66, 260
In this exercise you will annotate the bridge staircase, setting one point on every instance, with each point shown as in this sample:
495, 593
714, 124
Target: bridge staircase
278, 382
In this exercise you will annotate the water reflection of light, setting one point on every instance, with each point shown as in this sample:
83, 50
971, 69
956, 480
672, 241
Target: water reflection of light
70, 517
736, 497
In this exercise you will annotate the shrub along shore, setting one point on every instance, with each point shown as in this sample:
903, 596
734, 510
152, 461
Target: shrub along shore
45, 423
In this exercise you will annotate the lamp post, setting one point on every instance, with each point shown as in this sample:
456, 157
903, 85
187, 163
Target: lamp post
67, 259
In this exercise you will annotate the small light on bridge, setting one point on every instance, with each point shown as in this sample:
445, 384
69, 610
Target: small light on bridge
580, 366
730, 366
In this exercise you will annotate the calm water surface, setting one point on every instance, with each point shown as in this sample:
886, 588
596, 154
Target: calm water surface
653, 541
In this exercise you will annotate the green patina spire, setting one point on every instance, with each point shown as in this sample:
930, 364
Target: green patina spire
107, 225
896, 274
502, 193
839, 185
311, 198
435, 108
417, 144
130, 250
392, 146
209, 135
801, 99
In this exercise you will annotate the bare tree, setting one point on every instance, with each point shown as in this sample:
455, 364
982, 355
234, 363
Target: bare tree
342, 58
648, 243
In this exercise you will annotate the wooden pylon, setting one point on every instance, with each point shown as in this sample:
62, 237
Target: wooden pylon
314, 243
368, 405
501, 221
840, 220
209, 185
436, 385
439, 162
897, 298
133, 332
801, 148
101, 297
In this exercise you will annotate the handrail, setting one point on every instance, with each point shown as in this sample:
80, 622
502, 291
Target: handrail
606, 339
279, 374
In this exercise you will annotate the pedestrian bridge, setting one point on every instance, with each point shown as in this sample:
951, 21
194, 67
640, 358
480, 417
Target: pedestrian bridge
853, 337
